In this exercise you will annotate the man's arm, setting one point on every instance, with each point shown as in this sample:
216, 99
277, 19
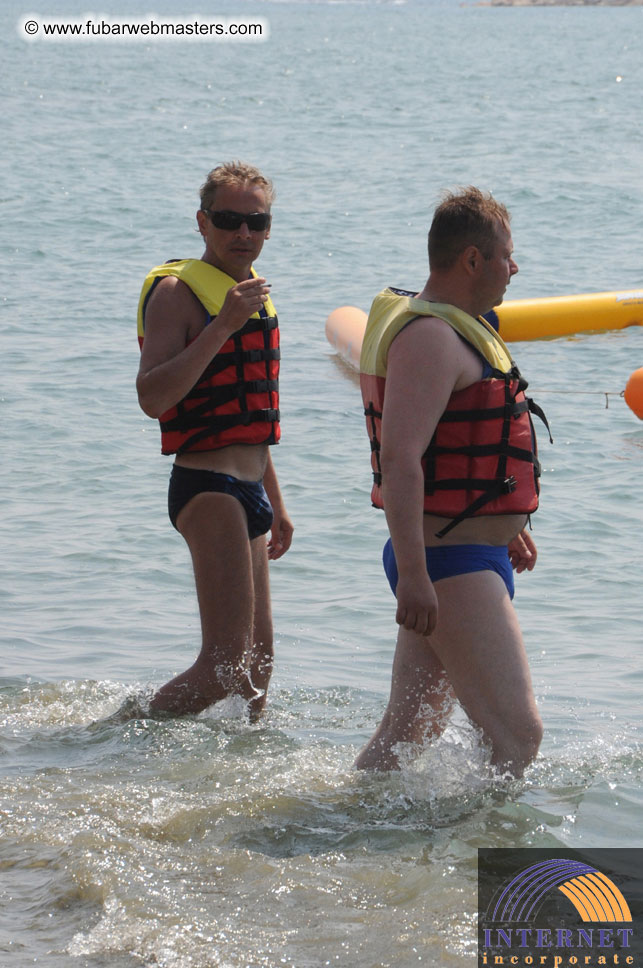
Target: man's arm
282, 529
177, 347
424, 366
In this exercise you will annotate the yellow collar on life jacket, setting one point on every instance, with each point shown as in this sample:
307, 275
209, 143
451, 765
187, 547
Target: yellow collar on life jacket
208, 284
390, 313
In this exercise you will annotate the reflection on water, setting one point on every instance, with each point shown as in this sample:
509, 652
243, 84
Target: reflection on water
157, 838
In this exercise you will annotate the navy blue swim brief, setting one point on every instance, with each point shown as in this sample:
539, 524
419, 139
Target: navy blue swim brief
187, 482
451, 560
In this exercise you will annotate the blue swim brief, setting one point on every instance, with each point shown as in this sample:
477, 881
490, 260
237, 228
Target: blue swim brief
187, 482
451, 560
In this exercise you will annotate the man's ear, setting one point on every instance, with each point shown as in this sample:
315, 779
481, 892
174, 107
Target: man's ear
470, 258
201, 221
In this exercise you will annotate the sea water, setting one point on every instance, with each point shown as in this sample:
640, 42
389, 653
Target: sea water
209, 841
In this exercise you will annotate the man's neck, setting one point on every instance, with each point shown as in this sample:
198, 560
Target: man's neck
437, 292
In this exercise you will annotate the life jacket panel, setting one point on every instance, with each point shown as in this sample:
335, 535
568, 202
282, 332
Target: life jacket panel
482, 458
236, 399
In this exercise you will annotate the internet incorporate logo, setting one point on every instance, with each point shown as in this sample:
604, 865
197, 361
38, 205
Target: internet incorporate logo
554, 913
595, 896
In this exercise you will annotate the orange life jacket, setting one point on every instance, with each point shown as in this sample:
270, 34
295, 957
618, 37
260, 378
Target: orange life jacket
236, 399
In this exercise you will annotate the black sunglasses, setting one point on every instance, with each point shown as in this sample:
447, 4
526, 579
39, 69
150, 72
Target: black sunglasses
231, 221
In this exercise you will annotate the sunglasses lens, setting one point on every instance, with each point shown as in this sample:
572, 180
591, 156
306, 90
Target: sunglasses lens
258, 222
231, 221
228, 221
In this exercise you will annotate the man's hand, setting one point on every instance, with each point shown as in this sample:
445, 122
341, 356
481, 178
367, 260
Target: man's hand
240, 303
522, 552
417, 605
281, 534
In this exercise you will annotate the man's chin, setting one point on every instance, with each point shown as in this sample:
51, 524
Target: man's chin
493, 306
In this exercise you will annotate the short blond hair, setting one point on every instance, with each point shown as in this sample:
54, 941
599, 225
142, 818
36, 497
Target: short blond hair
234, 173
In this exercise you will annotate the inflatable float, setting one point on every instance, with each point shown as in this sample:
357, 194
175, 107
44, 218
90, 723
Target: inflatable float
633, 393
524, 319
518, 319
345, 332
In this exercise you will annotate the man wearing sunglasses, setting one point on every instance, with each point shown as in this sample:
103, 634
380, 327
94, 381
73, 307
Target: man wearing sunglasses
209, 372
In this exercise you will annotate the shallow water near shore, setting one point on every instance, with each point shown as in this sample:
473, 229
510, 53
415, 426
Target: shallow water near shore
209, 841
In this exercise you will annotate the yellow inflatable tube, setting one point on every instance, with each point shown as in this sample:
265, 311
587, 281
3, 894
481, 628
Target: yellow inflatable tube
518, 319
524, 319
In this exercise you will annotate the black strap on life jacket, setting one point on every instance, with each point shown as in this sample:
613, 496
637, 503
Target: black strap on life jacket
502, 482
374, 415
205, 398
228, 420
491, 488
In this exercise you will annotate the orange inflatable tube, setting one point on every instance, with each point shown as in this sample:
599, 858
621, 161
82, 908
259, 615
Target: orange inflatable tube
345, 331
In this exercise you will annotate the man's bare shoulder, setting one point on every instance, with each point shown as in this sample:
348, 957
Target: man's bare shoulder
174, 306
427, 334
171, 293
430, 346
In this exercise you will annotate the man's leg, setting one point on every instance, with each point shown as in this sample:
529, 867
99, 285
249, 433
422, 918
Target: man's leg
479, 646
260, 660
419, 705
215, 528
479, 641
